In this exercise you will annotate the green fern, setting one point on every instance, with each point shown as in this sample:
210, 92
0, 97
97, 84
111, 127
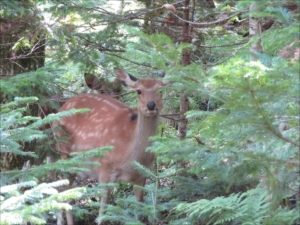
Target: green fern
251, 207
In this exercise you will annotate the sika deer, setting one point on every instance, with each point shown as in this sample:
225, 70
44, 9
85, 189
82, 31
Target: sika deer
112, 123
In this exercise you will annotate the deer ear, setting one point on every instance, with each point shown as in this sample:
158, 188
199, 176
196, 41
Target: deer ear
166, 83
92, 81
127, 79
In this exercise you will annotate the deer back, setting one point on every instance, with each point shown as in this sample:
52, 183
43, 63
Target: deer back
107, 123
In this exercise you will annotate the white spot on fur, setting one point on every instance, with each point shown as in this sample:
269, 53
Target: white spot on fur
99, 127
111, 104
107, 120
70, 104
114, 129
92, 134
105, 132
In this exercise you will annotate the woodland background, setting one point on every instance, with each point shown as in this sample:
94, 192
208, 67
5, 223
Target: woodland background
227, 150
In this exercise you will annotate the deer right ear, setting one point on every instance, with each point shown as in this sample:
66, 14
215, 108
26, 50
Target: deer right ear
127, 79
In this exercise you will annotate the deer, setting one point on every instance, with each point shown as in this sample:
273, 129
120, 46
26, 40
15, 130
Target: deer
110, 122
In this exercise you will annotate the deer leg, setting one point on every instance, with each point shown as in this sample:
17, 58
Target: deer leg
104, 201
139, 192
106, 197
60, 217
69, 216
49, 160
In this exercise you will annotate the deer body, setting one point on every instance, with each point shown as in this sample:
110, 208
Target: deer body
112, 123
94, 130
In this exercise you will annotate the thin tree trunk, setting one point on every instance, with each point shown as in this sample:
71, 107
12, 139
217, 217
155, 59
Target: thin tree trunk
254, 31
185, 60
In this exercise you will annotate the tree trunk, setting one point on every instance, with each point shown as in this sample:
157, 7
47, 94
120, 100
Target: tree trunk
185, 60
254, 30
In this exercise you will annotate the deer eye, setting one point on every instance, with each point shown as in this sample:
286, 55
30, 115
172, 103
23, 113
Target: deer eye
138, 92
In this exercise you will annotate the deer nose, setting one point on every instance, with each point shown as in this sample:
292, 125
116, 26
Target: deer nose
151, 105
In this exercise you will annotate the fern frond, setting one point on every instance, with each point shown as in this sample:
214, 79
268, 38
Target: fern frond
251, 206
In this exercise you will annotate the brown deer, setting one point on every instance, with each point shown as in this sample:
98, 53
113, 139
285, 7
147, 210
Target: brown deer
112, 123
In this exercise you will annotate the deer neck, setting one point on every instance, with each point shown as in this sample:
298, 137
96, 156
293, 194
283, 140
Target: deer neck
146, 127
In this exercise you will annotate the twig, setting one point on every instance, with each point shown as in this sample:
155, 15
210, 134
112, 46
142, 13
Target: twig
167, 116
221, 46
210, 23
136, 63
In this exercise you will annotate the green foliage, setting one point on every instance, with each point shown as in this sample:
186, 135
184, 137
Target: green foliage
30, 201
278, 13
250, 207
243, 141
255, 96
79, 163
128, 211
123, 213
31, 206
43, 83
14, 126
244, 144
22, 43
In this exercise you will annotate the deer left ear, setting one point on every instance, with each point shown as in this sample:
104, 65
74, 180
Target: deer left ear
166, 83
127, 79
92, 81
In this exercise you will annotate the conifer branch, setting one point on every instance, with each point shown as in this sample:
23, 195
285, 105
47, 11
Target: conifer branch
266, 121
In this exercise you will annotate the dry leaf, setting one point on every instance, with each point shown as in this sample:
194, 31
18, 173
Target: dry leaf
290, 51
296, 55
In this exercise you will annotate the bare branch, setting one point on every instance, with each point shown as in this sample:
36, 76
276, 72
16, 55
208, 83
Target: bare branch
136, 63
211, 23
